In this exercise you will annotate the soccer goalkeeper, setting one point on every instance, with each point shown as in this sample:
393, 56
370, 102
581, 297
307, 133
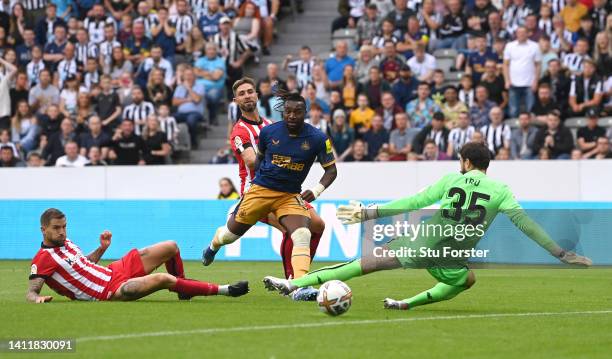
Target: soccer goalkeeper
469, 197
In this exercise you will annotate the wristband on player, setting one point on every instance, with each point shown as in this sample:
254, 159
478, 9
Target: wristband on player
317, 190
370, 211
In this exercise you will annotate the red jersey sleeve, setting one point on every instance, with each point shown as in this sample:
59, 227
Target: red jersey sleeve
240, 139
43, 265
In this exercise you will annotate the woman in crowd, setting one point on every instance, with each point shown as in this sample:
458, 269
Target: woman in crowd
227, 190
24, 128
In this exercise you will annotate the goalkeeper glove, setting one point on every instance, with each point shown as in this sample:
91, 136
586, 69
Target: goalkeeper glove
575, 259
356, 212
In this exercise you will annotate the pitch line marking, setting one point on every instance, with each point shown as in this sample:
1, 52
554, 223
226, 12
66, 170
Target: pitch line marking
329, 324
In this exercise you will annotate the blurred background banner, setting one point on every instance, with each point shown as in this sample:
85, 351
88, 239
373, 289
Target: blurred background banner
581, 226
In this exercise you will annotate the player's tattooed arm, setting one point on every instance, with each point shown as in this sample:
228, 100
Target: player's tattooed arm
34, 288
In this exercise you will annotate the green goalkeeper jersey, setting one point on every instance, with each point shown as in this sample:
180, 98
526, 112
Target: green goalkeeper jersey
467, 201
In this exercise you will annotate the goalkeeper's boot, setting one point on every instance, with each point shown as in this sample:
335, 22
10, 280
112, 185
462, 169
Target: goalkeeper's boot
277, 284
238, 289
305, 294
389, 303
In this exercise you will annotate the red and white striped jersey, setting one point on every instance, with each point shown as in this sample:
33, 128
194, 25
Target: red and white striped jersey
69, 273
245, 134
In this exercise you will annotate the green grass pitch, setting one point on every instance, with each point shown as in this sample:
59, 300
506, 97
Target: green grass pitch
569, 315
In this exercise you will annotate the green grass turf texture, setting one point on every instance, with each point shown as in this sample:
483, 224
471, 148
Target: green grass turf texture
502, 290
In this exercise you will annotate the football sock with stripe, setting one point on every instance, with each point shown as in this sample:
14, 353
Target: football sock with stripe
343, 271
438, 293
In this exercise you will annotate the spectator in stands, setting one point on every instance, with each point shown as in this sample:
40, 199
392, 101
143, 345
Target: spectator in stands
49, 122
54, 148
400, 15
388, 109
302, 68
391, 62
422, 108
522, 60
35, 159
272, 75
248, 26
319, 78
459, 135
163, 34
311, 98
8, 159
494, 83
386, 34
560, 84
602, 151
267, 102
95, 137
24, 128
476, 60
544, 104
374, 88
555, 138
432, 152
95, 157
227, 190
496, 30
522, 138
478, 14
350, 13
368, 25
18, 93
68, 96
233, 50
515, 14
574, 61
422, 64
377, 137
157, 92
127, 149
576, 154
195, 43
586, 90
139, 110
210, 20
586, 138
138, 46
43, 94
503, 154
587, 31
118, 66
481, 109
453, 27
534, 33
561, 39
334, 66
435, 131
400, 139
156, 61
497, 134
572, 12
189, 100
358, 152
156, 148
438, 86
467, 93
349, 89
72, 158
360, 118
341, 135
365, 62
411, 38
44, 29
405, 88
212, 72
602, 54
547, 53
5, 140
316, 118
452, 107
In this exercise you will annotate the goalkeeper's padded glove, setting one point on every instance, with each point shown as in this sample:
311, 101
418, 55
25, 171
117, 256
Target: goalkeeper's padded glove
356, 212
575, 259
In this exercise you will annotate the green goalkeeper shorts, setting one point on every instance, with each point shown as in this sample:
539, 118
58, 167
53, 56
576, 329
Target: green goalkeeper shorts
455, 273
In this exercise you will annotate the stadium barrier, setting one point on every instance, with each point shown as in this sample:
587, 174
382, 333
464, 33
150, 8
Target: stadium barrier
143, 205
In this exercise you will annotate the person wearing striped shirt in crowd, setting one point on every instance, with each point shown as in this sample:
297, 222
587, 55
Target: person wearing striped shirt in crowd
61, 264
84, 49
168, 124
34, 9
105, 48
139, 110
586, 90
233, 50
302, 68
496, 134
183, 22
148, 18
95, 24
459, 135
573, 61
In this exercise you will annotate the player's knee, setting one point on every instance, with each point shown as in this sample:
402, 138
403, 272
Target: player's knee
172, 247
301, 237
165, 278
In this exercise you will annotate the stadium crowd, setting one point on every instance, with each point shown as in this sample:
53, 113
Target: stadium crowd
121, 82
383, 93
94, 82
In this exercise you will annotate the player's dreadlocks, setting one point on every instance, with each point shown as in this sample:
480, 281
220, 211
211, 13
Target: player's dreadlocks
284, 95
